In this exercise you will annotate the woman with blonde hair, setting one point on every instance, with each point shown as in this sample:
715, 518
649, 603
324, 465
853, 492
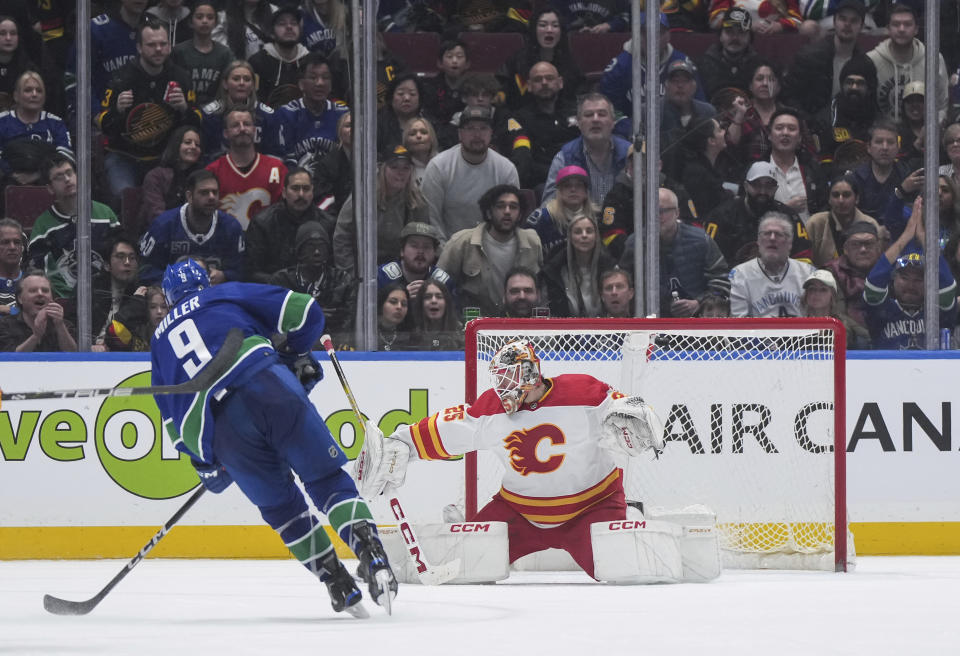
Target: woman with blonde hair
420, 139
572, 275
238, 90
28, 133
399, 202
552, 221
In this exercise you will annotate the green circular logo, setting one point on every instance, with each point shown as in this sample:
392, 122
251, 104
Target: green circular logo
133, 449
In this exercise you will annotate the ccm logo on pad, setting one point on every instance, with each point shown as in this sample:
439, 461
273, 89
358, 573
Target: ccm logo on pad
469, 528
627, 525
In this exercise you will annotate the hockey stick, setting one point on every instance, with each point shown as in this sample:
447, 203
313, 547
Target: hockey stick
428, 574
204, 379
59, 606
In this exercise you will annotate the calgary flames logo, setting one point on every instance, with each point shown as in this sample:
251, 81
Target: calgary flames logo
522, 446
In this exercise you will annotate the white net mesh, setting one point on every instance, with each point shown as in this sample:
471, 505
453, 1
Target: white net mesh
748, 415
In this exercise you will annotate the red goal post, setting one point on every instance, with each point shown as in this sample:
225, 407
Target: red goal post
753, 411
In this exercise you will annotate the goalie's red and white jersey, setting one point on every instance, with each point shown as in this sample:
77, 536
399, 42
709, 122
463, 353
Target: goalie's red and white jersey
554, 465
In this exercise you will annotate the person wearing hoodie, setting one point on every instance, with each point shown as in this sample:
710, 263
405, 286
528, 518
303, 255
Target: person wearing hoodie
278, 65
900, 60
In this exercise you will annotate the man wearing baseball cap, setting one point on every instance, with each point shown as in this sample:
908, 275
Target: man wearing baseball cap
894, 291
733, 223
680, 109
728, 61
456, 178
617, 81
814, 76
419, 250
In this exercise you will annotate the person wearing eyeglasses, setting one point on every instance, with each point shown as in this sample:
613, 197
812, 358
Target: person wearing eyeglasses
771, 284
894, 290
114, 288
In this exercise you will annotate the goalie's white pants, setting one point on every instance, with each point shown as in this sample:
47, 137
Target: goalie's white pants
625, 551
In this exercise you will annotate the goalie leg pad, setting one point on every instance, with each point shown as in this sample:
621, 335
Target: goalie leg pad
699, 543
636, 551
482, 547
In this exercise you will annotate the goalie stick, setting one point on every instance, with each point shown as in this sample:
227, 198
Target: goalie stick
59, 606
428, 574
204, 379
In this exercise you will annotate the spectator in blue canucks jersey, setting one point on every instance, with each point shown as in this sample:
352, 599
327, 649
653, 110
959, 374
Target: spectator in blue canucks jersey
112, 44
894, 291
13, 244
195, 228
419, 249
28, 133
309, 125
257, 426
237, 90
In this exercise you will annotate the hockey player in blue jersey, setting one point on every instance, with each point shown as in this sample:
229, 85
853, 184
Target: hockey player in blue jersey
256, 425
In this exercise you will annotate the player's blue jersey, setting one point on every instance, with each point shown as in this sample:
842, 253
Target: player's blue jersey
302, 132
169, 237
192, 334
267, 125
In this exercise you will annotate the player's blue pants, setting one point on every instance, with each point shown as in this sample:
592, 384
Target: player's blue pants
267, 427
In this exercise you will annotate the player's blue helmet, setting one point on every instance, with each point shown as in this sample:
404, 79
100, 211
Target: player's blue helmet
183, 278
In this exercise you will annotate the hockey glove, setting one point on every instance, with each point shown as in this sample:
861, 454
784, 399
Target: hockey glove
632, 427
214, 477
305, 367
382, 463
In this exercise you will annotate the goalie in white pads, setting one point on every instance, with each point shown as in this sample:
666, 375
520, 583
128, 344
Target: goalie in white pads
555, 437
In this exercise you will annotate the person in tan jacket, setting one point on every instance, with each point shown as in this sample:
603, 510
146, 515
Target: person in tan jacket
479, 258
825, 229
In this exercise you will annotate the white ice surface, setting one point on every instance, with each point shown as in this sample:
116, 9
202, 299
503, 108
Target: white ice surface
901, 606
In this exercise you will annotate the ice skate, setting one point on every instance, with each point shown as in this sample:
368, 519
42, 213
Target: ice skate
344, 594
374, 567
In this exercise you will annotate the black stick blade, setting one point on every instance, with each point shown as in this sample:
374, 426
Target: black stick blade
59, 606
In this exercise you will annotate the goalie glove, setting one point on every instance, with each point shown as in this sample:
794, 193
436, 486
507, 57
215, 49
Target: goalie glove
382, 462
632, 427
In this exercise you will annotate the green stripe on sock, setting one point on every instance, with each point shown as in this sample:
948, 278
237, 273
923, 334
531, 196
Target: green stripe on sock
348, 512
311, 545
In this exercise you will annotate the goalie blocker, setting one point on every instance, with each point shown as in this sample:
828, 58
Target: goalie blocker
678, 547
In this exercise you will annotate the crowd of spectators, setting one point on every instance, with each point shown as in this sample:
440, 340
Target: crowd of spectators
789, 186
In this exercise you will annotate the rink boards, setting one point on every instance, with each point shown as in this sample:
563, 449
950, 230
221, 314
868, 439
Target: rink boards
84, 477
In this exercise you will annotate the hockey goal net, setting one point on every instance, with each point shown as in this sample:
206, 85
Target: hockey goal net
753, 412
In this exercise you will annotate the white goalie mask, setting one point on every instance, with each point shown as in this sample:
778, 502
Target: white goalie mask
515, 370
